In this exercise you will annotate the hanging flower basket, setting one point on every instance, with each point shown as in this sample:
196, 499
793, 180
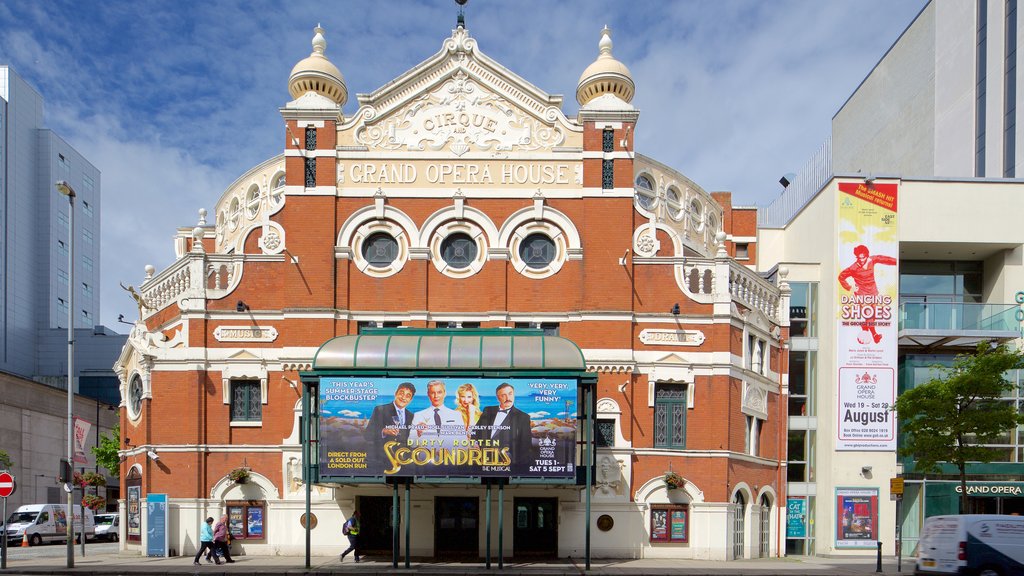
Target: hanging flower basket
674, 481
239, 475
94, 502
84, 479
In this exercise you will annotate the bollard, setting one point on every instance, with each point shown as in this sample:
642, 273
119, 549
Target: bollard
878, 562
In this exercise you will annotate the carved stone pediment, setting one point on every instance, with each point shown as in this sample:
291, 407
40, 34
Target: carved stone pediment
755, 401
460, 101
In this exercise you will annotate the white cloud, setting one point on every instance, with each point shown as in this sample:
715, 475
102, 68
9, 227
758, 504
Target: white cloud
173, 102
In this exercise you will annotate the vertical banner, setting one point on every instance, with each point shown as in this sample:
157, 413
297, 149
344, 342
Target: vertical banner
867, 297
857, 517
156, 525
81, 433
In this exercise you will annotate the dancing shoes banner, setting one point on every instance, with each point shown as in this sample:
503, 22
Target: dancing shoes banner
462, 427
867, 297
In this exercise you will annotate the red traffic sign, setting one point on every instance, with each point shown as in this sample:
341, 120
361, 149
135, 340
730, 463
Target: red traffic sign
6, 484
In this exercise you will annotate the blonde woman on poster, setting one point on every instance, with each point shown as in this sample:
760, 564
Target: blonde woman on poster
468, 406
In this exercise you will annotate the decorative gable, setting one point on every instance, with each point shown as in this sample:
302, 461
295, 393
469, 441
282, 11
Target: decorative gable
460, 101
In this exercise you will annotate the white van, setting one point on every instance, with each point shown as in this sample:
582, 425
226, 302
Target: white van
107, 526
46, 523
969, 544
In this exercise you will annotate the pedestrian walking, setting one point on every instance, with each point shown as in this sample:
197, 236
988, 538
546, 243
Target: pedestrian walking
205, 540
351, 529
220, 540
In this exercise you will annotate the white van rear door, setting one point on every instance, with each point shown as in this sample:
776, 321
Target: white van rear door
939, 547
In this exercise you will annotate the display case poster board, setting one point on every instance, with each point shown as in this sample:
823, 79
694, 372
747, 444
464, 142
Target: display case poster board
255, 522
659, 525
156, 525
856, 517
678, 529
236, 521
135, 511
796, 518
453, 427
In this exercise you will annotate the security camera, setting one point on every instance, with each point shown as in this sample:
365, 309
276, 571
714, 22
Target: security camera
152, 455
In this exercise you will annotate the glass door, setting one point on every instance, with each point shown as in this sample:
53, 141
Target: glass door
535, 531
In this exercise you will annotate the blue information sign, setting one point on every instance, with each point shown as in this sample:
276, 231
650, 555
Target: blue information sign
156, 525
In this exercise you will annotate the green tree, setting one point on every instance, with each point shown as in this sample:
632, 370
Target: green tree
106, 452
950, 417
5, 460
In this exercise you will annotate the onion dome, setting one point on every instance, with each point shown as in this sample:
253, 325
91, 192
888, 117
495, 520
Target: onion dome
605, 76
317, 74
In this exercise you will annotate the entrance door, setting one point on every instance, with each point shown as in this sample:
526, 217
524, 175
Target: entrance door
738, 528
536, 527
375, 535
456, 528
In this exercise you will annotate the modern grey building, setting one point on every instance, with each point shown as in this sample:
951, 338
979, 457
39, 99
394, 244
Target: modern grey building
34, 245
935, 120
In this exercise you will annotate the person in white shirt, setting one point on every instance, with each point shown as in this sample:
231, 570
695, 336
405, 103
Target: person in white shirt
438, 425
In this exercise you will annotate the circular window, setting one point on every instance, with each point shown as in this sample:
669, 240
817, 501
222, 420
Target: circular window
675, 205
234, 213
645, 195
458, 250
712, 223
135, 397
252, 202
537, 251
696, 214
380, 249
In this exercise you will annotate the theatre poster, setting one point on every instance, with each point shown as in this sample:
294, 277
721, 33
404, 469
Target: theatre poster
867, 316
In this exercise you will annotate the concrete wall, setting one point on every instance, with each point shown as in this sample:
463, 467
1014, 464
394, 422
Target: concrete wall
887, 126
33, 431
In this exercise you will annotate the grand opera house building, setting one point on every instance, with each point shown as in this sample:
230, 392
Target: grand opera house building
494, 329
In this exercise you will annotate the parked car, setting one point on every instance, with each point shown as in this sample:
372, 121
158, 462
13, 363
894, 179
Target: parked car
107, 526
46, 523
971, 544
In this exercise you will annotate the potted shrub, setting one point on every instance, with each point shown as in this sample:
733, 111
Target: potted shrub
239, 475
673, 481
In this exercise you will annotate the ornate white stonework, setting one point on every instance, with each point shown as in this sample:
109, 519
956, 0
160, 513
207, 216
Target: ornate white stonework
672, 337
245, 333
460, 101
755, 401
460, 115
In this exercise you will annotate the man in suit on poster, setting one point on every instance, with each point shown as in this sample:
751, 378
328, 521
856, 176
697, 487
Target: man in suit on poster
389, 422
509, 427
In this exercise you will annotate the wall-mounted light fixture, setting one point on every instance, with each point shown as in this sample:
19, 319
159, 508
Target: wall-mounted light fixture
241, 307
675, 309
152, 455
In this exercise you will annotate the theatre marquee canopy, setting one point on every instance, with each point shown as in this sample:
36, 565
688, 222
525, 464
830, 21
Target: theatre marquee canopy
455, 404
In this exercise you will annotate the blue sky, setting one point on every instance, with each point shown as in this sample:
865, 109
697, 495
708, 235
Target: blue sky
173, 100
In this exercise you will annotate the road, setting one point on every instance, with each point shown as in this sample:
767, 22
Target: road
59, 550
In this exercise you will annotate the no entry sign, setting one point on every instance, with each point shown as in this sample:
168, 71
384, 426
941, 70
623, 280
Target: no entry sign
6, 484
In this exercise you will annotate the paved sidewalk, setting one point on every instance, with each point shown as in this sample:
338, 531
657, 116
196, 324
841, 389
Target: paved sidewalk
115, 564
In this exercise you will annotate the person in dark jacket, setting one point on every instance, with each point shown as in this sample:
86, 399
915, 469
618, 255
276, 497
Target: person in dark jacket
220, 539
509, 427
351, 529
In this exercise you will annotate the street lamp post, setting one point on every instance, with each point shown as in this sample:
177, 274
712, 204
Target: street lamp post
66, 189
